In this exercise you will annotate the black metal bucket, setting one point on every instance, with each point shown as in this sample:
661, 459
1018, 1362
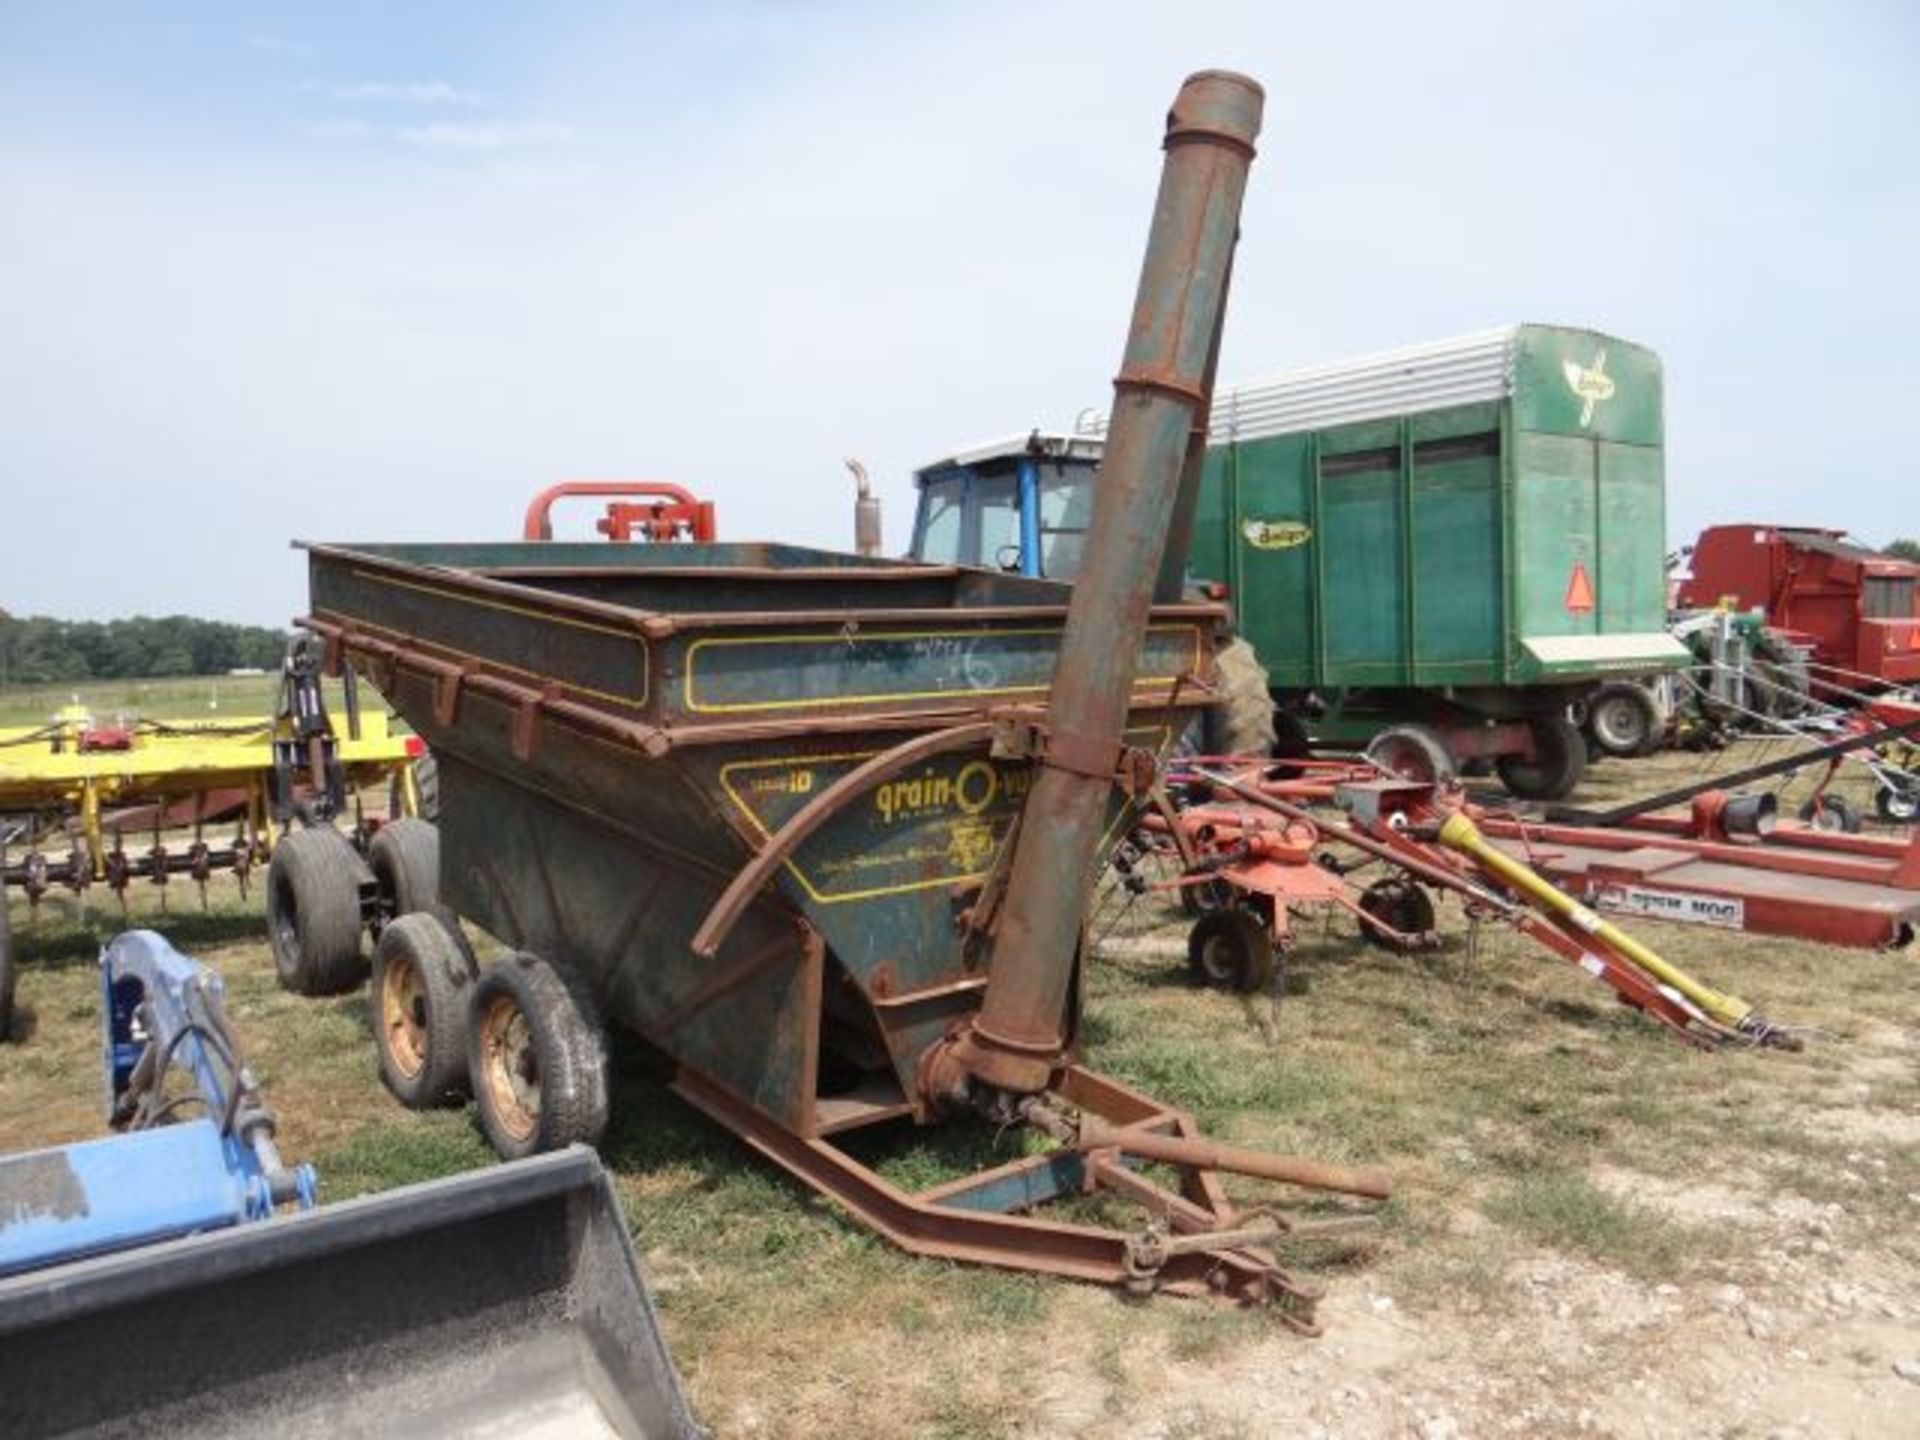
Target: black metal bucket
507, 1301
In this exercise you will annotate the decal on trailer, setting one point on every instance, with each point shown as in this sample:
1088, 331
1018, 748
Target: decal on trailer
1276, 534
1579, 590
1719, 911
1590, 384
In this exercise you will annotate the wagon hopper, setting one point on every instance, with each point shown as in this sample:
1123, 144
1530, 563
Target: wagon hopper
823, 828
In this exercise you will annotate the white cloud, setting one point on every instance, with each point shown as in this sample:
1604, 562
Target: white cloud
445, 137
410, 92
480, 139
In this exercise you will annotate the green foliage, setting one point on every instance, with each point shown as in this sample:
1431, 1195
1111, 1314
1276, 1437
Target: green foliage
1904, 550
36, 650
1565, 1210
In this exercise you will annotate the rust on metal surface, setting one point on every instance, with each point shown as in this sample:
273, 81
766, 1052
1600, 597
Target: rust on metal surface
1098, 1134
1016, 1043
935, 1222
758, 872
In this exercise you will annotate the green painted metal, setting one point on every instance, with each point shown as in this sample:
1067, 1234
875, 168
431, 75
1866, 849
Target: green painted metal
1426, 550
619, 728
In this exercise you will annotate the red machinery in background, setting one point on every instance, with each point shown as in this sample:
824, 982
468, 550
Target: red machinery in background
636, 510
1857, 609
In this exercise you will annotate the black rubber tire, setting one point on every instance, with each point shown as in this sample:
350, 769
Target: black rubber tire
1833, 813
1897, 805
1559, 766
313, 912
1231, 949
6, 970
1242, 724
1291, 739
537, 1057
405, 859
1401, 904
1412, 752
1623, 720
422, 976
426, 786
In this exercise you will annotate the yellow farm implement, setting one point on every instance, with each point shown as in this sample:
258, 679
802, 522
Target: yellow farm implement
74, 790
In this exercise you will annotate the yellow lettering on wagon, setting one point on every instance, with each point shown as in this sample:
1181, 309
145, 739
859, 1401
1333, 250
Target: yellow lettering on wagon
973, 790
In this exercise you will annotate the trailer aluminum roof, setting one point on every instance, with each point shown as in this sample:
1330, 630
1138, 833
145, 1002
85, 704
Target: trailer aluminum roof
1377, 386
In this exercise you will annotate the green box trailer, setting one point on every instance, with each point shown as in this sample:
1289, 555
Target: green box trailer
1446, 551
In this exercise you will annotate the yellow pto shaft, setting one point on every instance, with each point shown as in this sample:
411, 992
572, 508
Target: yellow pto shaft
1461, 834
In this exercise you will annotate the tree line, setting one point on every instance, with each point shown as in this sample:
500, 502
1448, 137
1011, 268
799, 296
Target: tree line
36, 650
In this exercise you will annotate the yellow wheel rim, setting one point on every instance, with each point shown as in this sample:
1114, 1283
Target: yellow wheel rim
403, 1014
510, 1069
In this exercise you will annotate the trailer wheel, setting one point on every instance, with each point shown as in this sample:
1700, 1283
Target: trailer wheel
1832, 813
6, 971
1897, 804
1558, 765
1623, 719
1231, 949
405, 856
421, 976
313, 912
1242, 724
1400, 905
537, 1060
1412, 752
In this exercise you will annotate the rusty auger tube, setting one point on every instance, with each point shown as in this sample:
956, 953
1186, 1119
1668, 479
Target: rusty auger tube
1098, 1134
1016, 1042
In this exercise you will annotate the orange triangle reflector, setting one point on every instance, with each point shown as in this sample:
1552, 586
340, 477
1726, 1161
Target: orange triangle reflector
1579, 590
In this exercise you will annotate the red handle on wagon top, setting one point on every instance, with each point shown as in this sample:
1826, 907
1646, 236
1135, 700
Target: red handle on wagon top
663, 512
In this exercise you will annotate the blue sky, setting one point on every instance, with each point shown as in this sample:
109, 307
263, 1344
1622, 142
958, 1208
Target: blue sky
380, 271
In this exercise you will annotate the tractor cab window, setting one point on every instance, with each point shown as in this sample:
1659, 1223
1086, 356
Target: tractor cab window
942, 508
997, 518
1066, 506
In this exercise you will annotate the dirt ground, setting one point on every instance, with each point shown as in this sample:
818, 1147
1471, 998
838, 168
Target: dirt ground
1596, 1230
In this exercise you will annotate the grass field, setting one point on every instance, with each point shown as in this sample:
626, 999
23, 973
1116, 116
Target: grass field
1596, 1230
186, 697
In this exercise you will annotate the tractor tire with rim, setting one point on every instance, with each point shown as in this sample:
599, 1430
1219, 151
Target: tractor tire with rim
1833, 813
1558, 765
1412, 752
1231, 949
537, 1058
1242, 724
6, 971
405, 857
1897, 804
313, 912
422, 976
1623, 720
